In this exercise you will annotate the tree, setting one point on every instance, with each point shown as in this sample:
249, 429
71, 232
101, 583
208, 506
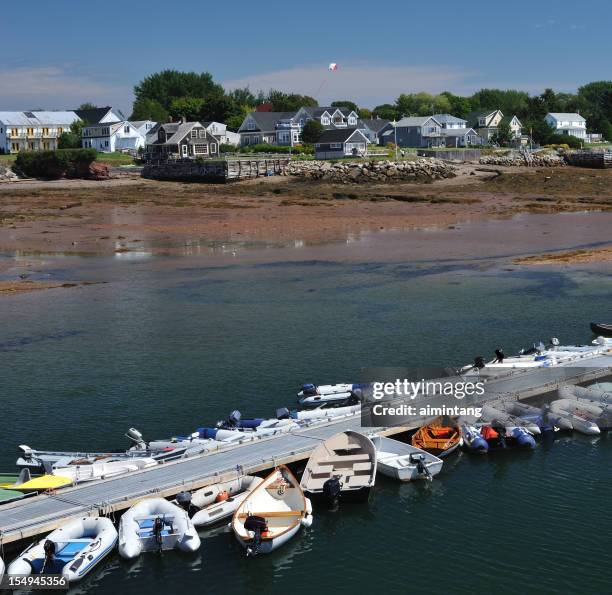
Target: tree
459, 106
244, 96
149, 109
503, 135
87, 105
385, 111
188, 108
312, 131
168, 85
605, 127
422, 104
345, 103
72, 139
364, 113
283, 102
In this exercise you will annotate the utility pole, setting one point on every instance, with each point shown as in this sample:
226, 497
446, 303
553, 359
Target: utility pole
395, 137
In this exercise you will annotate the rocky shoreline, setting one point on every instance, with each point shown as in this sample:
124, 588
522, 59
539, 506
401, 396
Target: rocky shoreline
425, 170
517, 160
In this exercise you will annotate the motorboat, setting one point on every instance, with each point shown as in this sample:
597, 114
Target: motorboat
312, 395
214, 503
437, 439
272, 513
104, 469
402, 461
73, 550
154, 524
473, 440
343, 467
601, 329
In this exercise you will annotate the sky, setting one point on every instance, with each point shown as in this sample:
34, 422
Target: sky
58, 54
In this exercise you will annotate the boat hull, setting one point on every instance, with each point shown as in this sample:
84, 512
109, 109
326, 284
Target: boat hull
600, 329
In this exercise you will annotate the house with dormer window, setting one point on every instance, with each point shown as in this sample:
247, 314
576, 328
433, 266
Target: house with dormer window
181, 140
567, 123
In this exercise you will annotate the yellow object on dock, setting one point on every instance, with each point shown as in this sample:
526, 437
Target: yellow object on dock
39, 484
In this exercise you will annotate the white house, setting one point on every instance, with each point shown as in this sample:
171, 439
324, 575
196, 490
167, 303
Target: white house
225, 136
565, 123
108, 137
33, 131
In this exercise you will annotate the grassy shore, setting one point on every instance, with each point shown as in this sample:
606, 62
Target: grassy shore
114, 159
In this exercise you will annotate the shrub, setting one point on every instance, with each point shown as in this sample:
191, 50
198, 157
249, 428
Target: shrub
564, 139
267, 148
70, 163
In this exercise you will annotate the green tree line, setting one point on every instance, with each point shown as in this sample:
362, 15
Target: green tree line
196, 96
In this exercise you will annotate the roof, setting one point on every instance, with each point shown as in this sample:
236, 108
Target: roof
337, 135
38, 118
374, 124
508, 119
94, 115
473, 117
448, 119
567, 116
266, 121
414, 121
458, 131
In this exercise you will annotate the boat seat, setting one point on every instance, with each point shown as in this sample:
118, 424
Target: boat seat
276, 513
361, 467
356, 458
358, 481
72, 548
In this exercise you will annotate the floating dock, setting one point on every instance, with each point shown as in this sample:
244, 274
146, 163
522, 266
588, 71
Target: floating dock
31, 517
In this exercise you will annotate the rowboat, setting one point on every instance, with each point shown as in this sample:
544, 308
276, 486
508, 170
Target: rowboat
154, 524
342, 467
402, 461
437, 439
599, 328
217, 502
272, 513
73, 550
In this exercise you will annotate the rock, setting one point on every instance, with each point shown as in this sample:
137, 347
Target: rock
7, 174
98, 171
513, 158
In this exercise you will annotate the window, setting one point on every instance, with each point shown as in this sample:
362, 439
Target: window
250, 125
202, 133
14, 132
194, 133
325, 121
15, 147
201, 149
335, 146
45, 146
126, 129
213, 147
106, 131
30, 131
106, 143
45, 132
60, 130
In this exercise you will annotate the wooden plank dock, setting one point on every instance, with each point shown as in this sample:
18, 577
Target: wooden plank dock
38, 515
215, 170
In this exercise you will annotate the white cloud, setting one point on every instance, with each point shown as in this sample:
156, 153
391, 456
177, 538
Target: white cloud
367, 83
54, 87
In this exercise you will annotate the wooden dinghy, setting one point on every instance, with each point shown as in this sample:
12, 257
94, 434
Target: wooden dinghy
272, 513
399, 460
437, 439
342, 467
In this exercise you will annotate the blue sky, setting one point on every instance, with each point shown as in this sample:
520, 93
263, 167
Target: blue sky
57, 54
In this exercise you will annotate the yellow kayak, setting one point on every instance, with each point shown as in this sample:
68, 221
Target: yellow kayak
39, 484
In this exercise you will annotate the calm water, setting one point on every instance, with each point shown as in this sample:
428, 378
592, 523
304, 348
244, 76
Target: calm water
169, 343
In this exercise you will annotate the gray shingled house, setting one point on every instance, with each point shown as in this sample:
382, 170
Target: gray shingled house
186, 140
341, 142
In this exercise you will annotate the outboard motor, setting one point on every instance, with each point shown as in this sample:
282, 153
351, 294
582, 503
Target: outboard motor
49, 563
183, 499
421, 467
554, 342
501, 435
499, 356
136, 437
309, 389
355, 397
158, 527
331, 490
257, 525
283, 413
479, 362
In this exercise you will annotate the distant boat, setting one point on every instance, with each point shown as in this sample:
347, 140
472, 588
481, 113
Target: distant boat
344, 466
437, 439
599, 328
272, 513
154, 524
402, 461
313, 395
72, 550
